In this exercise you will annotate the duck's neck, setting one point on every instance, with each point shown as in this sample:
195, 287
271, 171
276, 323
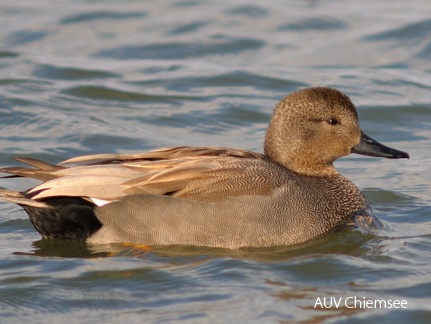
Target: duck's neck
309, 165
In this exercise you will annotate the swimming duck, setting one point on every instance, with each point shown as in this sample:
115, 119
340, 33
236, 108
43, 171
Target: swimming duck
212, 196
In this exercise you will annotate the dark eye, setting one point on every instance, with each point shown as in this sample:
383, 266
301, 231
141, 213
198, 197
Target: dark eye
333, 121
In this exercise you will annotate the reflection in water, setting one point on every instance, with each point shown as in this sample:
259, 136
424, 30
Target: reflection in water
350, 242
62, 249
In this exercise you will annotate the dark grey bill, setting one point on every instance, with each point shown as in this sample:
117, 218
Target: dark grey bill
370, 147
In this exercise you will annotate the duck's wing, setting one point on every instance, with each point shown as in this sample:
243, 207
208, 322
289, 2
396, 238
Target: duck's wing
198, 173
168, 153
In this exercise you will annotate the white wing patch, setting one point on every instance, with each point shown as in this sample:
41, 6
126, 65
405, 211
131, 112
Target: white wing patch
100, 202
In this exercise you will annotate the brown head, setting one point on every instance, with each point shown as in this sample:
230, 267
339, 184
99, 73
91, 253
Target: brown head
311, 128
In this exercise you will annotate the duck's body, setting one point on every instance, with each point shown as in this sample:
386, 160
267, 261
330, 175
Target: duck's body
212, 196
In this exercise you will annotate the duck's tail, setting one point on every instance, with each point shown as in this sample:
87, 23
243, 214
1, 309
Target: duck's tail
19, 198
68, 218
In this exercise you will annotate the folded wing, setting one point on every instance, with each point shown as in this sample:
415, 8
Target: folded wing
198, 173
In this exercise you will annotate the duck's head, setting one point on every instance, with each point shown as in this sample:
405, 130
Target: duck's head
311, 128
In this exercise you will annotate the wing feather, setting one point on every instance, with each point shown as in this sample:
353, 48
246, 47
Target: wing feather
198, 173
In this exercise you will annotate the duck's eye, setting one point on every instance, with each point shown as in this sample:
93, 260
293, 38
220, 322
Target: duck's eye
333, 121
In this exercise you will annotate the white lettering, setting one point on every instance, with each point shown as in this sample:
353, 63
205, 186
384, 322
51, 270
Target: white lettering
318, 302
324, 302
380, 301
346, 302
337, 304
368, 303
359, 302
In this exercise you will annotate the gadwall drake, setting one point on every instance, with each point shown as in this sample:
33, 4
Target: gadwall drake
212, 196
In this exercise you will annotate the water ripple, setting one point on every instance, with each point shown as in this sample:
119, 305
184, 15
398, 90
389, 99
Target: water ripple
65, 73
322, 24
172, 50
25, 37
101, 15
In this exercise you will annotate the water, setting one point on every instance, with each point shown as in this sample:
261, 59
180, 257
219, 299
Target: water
80, 77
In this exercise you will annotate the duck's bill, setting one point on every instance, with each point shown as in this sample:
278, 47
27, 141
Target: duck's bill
370, 147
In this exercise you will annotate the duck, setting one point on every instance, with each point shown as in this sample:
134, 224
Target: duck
212, 196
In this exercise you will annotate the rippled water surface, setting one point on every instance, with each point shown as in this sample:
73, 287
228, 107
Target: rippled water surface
80, 77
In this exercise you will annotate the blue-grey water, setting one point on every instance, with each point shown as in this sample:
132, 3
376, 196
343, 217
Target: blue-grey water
81, 77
